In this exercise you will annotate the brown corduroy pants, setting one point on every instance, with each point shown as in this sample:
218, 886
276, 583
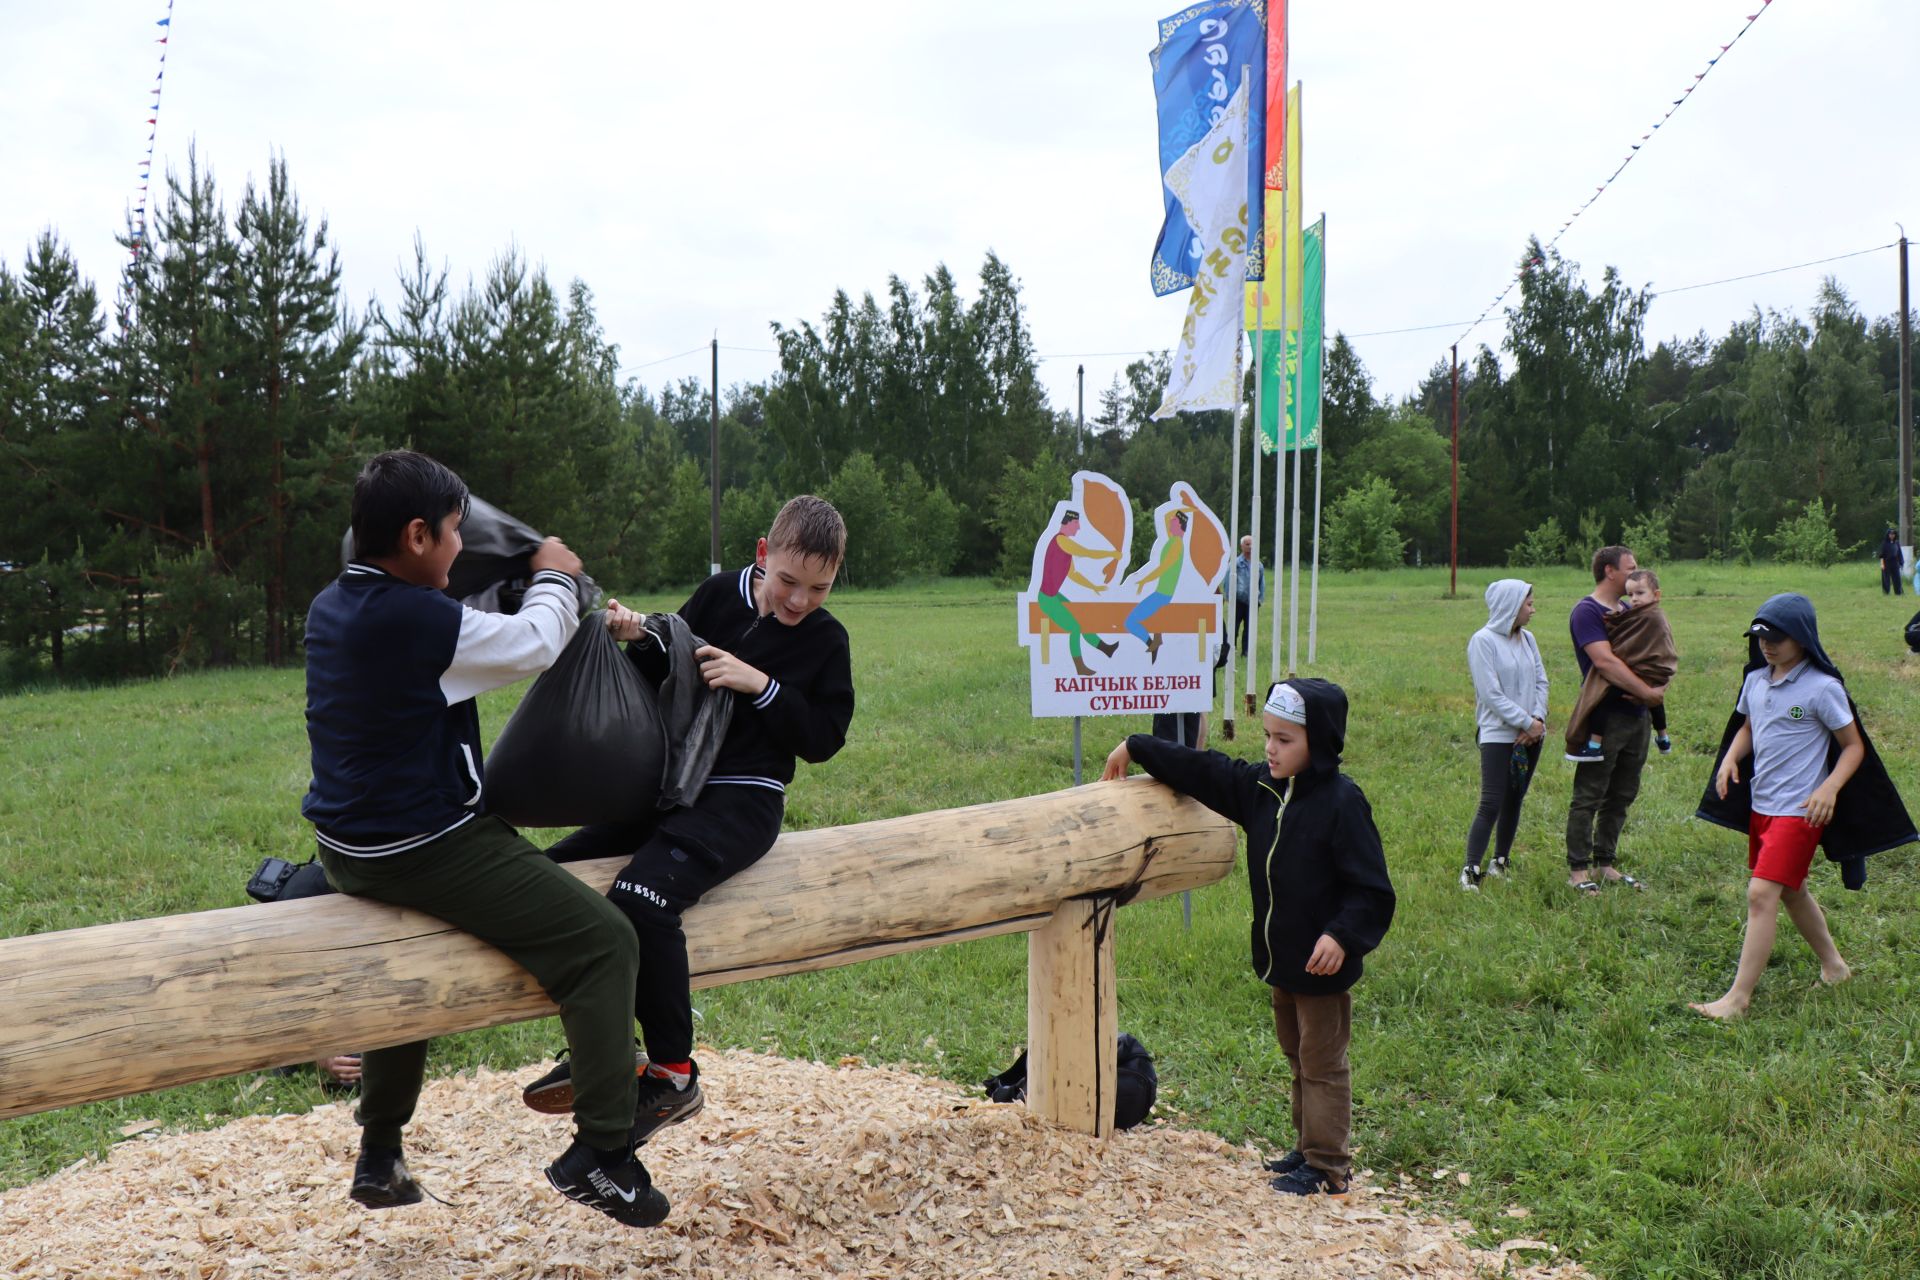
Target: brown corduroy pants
1313, 1033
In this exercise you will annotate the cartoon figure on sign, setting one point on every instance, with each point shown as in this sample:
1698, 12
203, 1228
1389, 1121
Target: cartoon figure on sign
1079, 590
1055, 570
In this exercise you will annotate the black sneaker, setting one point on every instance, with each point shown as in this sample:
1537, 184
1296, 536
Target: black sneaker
1308, 1181
1664, 743
660, 1104
624, 1193
1498, 868
1470, 879
552, 1093
1286, 1163
381, 1180
1591, 751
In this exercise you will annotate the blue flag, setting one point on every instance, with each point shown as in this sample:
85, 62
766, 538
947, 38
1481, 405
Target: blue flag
1196, 71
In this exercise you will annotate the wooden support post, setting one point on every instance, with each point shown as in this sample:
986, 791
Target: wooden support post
1072, 1017
1046, 634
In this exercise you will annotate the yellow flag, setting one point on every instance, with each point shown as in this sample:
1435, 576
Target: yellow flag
1270, 312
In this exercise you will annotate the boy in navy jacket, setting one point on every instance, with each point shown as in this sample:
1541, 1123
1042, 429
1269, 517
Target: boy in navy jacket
398, 807
1321, 899
785, 660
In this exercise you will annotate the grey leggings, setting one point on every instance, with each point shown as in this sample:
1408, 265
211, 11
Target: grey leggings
1499, 811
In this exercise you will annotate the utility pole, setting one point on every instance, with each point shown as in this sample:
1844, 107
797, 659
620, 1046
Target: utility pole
1080, 430
713, 456
1453, 578
1906, 412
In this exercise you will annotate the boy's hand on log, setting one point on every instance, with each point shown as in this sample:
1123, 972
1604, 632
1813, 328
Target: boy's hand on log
1117, 763
721, 670
1327, 958
623, 623
554, 554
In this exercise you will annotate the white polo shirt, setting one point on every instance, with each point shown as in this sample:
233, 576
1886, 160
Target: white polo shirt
1793, 720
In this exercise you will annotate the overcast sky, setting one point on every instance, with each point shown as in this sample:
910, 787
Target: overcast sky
709, 168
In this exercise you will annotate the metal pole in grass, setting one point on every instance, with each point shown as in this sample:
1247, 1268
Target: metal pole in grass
1076, 751
1453, 577
713, 463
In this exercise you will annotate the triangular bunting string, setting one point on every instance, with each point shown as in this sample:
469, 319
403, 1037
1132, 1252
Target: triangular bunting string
1634, 152
137, 237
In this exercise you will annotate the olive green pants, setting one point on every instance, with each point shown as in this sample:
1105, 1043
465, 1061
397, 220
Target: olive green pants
486, 879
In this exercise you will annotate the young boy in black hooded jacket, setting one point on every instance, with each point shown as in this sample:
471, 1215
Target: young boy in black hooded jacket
1321, 899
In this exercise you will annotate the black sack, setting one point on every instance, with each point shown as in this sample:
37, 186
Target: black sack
585, 745
494, 566
1136, 1084
1913, 628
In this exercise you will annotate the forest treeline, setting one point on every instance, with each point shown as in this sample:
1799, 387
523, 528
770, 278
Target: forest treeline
178, 460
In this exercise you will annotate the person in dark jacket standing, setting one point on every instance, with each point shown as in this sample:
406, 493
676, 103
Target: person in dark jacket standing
1891, 561
788, 665
1321, 899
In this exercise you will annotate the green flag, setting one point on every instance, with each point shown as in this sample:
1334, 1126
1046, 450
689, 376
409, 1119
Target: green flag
1282, 374
1313, 314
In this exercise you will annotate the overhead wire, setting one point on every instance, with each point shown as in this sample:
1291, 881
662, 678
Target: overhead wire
1632, 152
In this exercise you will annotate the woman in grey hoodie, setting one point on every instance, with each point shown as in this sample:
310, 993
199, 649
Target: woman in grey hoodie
1510, 703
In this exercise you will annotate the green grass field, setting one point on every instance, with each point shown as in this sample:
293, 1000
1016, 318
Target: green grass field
1536, 1040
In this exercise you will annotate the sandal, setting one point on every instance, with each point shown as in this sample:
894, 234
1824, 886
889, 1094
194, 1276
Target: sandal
1586, 886
1629, 881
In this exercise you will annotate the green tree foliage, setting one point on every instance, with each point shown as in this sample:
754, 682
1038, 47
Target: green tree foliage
1362, 527
1545, 544
178, 474
1808, 538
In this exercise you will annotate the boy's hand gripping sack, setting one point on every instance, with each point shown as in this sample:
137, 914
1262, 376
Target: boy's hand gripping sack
586, 743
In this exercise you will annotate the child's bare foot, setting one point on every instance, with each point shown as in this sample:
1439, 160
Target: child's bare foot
1726, 1008
1835, 974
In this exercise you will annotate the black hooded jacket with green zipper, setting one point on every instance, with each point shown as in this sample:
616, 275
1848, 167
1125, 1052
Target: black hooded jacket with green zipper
1313, 854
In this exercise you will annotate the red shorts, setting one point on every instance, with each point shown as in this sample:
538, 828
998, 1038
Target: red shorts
1781, 848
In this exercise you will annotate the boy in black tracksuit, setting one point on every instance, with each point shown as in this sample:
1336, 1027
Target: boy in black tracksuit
1321, 899
786, 660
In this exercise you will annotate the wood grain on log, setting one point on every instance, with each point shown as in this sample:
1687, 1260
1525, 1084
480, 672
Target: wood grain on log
117, 1009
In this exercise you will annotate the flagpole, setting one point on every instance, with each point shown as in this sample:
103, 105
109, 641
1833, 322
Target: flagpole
1259, 366
1280, 424
1319, 450
1233, 517
1293, 625
1280, 449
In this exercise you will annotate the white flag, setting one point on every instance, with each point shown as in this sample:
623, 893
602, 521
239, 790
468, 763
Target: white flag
1210, 181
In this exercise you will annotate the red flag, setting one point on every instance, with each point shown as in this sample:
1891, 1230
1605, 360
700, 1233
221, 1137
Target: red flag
1276, 94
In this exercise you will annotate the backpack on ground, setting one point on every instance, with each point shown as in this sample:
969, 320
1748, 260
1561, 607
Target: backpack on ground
1136, 1084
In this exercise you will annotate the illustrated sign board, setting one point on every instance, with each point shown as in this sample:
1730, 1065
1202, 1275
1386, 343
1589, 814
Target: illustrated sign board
1106, 639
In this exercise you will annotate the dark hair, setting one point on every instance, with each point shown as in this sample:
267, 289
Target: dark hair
393, 490
1652, 579
1607, 558
812, 527
1068, 518
1181, 516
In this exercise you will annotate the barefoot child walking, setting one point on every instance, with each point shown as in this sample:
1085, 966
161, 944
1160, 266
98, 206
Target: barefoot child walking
1814, 780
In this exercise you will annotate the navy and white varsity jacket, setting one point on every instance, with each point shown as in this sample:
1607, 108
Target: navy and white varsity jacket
392, 672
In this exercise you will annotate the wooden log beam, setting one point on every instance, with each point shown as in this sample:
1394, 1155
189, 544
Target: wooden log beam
117, 1009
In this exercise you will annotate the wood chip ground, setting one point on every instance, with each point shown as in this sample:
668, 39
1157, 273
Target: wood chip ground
794, 1171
